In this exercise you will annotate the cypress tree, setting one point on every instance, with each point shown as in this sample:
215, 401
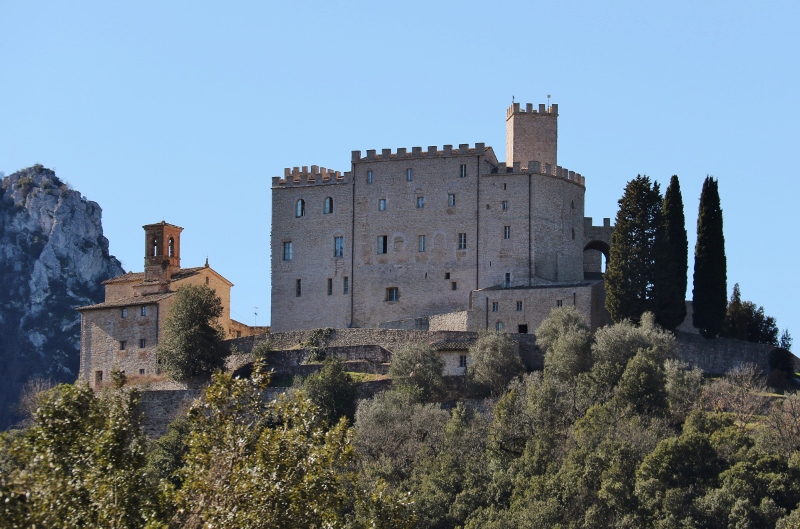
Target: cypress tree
673, 260
709, 296
632, 259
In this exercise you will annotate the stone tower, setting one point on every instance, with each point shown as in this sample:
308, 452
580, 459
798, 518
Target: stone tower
162, 247
531, 135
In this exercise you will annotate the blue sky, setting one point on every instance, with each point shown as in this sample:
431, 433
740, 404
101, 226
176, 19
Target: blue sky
183, 111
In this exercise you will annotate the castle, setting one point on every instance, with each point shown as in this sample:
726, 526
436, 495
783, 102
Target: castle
438, 239
123, 332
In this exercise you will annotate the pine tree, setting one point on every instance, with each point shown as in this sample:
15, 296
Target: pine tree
709, 296
673, 266
632, 261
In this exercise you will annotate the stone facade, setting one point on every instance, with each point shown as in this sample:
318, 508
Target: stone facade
123, 332
408, 234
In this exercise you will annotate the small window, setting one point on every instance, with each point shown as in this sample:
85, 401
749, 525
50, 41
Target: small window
142, 343
572, 204
330, 286
451, 200
409, 174
573, 234
381, 204
206, 280
519, 306
505, 205
522, 328
287, 251
298, 287
421, 243
382, 243
300, 208
462, 360
392, 294
124, 313
123, 344
328, 207
420, 202
462, 241
506, 232
559, 303
447, 275
463, 170
498, 326
453, 286
338, 246
507, 282
98, 378
171, 247
154, 247
495, 306
141, 371
345, 285
369, 177
504, 186
144, 311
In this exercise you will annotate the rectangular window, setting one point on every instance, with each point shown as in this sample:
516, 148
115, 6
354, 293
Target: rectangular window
495, 306
421, 243
506, 232
124, 313
382, 243
454, 286
462, 360
507, 282
298, 287
330, 286
338, 246
141, 371
287, 250
420, 202
447, 275
559, 302
462, 241
382, 204
409, 174
123, 344
505, 205
463, 171
498, 326
451, 200
369, 177
392, 294
519, 306
345, 285
144, 311
142, 343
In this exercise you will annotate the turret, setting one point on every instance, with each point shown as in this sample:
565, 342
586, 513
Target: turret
531, 134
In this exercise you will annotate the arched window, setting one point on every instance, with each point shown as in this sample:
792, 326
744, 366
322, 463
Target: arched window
171, 247
328, 208
301, 208
154, 247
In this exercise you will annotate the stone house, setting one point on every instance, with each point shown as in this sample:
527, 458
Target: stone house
123, 331
446, 237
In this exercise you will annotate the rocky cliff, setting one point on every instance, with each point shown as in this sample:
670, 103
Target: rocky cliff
53, 257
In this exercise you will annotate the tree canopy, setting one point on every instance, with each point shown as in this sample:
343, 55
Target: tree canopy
709, 295
673, 267
745, 321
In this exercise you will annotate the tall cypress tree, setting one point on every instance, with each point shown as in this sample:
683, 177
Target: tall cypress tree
632, 259
673, 260
709, 296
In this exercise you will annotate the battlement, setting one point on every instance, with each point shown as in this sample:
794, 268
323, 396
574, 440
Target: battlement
417, 152
516, 108
542, 168
296, 177
588, 223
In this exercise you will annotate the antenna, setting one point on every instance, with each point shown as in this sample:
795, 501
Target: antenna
255, 316
512, 99
548, 102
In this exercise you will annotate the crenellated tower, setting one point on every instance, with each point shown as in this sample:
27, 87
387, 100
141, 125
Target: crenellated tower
531, 134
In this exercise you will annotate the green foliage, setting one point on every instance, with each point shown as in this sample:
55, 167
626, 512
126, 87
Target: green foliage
684, 389
786, 340
566, 339
495, 361
673, 267
633, 260
745, 321
418, 365
81, 464
332, 391
192, 341
709, 301
165, 457
316, 343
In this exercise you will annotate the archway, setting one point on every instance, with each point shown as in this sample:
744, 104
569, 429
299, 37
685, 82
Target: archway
595, 259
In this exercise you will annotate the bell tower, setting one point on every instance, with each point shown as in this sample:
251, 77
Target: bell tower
162, 251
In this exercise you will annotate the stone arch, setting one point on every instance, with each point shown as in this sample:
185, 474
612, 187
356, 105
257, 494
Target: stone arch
593, 254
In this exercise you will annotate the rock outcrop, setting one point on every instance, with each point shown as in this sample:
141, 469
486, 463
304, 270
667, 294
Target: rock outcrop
53, 257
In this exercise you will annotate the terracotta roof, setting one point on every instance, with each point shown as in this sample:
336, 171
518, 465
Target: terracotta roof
138, 277
147, 299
